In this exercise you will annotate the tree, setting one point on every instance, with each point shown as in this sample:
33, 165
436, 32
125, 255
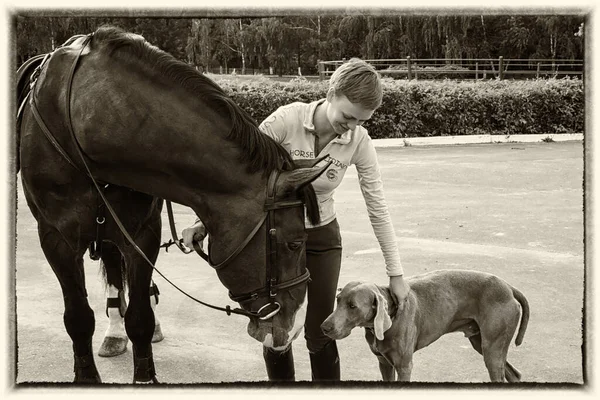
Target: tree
285, 43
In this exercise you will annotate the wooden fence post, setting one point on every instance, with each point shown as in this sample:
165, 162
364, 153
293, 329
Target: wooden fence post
476, 70
409, 68
537, 73
501, 67
321, 68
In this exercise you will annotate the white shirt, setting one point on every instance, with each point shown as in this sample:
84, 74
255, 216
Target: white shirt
292, 126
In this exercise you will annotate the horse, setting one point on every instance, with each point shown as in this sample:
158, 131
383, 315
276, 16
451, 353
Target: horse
112, 268
111, 109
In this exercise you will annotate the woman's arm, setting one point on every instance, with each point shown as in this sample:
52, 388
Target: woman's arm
371, 186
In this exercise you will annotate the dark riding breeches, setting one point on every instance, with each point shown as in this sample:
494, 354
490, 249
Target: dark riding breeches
323, 260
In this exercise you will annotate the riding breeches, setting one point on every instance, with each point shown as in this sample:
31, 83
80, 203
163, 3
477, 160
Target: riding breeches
323, 260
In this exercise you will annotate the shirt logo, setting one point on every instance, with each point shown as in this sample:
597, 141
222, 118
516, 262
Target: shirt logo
332, 174
302, 153
335, 162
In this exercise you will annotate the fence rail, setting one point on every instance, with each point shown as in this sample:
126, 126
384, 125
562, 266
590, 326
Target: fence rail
479, 68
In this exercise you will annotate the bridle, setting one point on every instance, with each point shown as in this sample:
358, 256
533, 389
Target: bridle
272, 285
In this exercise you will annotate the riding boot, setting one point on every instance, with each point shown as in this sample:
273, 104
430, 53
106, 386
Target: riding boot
325, 364
280, 365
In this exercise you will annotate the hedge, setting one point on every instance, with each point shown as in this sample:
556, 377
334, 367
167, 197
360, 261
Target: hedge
437, 108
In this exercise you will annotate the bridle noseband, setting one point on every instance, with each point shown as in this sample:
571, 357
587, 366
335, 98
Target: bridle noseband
272, 286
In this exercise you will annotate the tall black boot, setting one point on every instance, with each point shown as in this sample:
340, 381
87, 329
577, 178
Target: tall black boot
280, 365
325, 364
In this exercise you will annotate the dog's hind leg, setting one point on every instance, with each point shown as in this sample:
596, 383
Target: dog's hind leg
511, 373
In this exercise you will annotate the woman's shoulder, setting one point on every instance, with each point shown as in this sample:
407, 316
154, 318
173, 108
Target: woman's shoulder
295, 106
361, 136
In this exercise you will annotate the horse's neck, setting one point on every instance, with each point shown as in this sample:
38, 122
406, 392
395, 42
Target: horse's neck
163, 141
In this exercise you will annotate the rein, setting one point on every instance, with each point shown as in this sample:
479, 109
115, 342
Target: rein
265, 312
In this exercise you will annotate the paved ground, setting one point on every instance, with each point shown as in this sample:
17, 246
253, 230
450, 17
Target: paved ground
511, 209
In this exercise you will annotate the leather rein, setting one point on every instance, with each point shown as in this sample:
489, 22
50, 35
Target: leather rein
272, 286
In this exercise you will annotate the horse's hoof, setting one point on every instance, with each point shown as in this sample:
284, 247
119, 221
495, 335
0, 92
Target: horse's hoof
158, 335
113, 346
152, 381
85, 370
93, 380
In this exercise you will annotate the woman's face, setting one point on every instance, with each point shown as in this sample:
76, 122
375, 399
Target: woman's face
344, 115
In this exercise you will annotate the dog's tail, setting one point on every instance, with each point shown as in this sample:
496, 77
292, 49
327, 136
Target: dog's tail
524, 315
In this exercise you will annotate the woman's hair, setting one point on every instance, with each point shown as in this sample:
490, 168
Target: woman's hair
359, 82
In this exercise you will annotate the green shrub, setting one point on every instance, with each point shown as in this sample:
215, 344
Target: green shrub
437, 108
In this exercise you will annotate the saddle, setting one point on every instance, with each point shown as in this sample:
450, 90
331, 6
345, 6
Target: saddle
26, 76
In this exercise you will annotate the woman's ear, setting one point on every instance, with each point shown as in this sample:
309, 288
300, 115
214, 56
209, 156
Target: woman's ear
382, 321
330, 94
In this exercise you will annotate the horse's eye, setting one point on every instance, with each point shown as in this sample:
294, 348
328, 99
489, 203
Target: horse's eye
351, 305
294, 245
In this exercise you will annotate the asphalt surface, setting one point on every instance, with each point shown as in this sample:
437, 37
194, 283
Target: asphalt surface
515, 210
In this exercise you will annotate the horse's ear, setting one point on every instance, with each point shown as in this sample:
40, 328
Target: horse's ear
296, 179
308, 162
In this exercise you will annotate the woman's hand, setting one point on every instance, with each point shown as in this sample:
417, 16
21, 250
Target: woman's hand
194, 233
399, 290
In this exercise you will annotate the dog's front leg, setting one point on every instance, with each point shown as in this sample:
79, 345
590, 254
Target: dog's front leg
387, 369
404, 372
402, 364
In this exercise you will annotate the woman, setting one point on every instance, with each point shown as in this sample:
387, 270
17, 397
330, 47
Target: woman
331, 126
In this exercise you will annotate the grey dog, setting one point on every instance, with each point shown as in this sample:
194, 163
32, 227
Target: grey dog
483, 306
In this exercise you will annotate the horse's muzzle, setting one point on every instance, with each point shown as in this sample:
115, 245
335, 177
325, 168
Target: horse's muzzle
278, 332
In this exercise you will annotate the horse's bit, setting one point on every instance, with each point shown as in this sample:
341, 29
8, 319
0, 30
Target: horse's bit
271, 206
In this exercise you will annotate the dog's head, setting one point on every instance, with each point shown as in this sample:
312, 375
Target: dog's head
358, 304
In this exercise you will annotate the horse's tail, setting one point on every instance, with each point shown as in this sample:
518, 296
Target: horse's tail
24, 73
112, 266
524, 315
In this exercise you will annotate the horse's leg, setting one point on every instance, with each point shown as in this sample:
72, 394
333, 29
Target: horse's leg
139, 319
115, 338
154, 293
67, 262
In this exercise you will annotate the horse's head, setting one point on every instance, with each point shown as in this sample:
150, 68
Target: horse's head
268, 278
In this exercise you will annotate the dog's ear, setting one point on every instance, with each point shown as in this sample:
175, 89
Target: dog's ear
382, 321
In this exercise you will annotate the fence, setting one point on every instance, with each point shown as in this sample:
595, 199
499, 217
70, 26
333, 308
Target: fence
480, 68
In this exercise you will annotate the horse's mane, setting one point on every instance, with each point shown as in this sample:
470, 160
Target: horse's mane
258, 151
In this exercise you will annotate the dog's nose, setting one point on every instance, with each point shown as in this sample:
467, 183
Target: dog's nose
326, 327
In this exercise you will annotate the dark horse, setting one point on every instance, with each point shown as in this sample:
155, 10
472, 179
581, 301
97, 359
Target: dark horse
109, 108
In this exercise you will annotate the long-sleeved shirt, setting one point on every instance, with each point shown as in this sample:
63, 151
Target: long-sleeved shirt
292, 126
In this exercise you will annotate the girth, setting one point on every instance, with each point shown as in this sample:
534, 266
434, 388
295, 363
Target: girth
95, 248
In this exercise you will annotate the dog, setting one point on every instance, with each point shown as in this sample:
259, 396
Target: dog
481, 305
